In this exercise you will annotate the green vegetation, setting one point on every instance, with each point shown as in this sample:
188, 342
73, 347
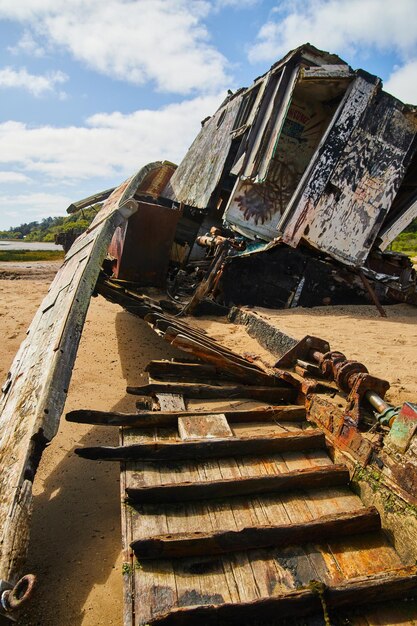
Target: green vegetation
31, 255
406, 242
48, 228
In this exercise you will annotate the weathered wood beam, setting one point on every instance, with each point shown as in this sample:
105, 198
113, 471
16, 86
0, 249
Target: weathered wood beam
163, 321
309, 478
150, 419
248, 375
85, 202
186, 372
385, 586
172, 332
190, 390
36, 387
172, 326
178, 545
136, 305
162, 450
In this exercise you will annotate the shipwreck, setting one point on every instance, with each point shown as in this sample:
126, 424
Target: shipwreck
300, 505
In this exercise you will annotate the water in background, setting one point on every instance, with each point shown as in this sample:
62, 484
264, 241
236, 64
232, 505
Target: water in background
10, 244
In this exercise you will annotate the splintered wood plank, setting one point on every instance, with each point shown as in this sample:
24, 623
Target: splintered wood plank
244, 571
155, 587
241, 485
188, 450
239, 371
201, 580
187, 372
255, 537
143, 419
270, 576
36, 387
293, 559
209, 426
204, 341
278, 394
237, 566
391, 585
128, 555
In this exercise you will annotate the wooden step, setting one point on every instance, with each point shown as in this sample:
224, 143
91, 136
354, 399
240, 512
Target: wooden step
312, 477
150, 419
178, 545
162, 450
386, 586
190, 390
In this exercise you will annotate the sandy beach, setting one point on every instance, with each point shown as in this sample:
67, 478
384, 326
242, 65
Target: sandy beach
75, 541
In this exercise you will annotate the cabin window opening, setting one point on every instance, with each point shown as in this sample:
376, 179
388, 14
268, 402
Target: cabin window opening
309, 113
258, 203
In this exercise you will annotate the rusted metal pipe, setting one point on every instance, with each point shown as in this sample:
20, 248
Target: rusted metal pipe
336, 364
377, 402
13, 598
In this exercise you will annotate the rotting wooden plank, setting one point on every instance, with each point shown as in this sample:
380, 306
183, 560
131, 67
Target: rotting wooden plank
292, 559
190, 390
180, 545
36, 387
209, 426
242, 571
188, 450
187, 372
388, 585
177, 328
172, 333
221, 362
201, 580
144, 419
240, 486
261, 564
237, 566
155, 588
162, 321
130, 300
127, 552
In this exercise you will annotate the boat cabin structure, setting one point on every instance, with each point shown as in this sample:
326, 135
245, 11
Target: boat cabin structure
313, 168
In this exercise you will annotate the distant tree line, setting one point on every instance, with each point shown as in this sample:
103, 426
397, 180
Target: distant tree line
49, 227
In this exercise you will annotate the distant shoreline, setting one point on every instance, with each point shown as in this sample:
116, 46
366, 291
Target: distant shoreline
30, 246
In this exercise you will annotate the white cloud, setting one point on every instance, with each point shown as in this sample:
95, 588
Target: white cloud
7, 177
236, 4
109, 145
34, 206
403, 82
36, 84
164, 41
27, 45
338, 25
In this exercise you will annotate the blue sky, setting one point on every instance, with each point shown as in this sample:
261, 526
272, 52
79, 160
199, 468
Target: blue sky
91, 90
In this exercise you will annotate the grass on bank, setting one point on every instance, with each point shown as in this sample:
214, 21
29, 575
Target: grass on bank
31, 255
406, 243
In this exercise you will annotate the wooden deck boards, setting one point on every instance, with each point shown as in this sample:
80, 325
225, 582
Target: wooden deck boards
246, 575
